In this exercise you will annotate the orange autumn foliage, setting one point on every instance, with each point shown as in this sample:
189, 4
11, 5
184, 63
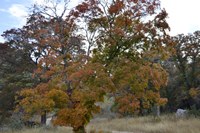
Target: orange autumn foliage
116, 7
130, 48
139, 89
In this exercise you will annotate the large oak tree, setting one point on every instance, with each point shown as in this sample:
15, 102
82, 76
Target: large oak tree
130, 38
126, 41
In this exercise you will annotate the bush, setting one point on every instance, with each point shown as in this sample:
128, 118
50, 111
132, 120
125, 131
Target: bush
15, 122
194, 112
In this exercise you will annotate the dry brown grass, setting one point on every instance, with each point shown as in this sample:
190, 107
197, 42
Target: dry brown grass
43, 130
164, 124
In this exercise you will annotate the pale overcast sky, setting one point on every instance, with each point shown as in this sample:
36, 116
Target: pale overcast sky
183, 14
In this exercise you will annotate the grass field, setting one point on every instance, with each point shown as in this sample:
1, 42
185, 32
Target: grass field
163, 124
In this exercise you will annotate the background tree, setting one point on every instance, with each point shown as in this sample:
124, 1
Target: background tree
184, 72
16, 70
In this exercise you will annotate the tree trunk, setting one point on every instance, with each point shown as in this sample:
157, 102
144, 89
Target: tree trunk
80, 129
44, 118
157, 110
141, 112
